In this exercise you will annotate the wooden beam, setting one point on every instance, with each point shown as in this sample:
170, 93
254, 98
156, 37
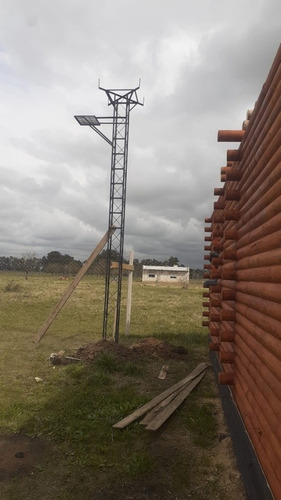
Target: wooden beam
74, 284
125, 267
177, 401
151, 404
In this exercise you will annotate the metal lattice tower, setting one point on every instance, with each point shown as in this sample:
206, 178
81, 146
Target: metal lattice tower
122, 101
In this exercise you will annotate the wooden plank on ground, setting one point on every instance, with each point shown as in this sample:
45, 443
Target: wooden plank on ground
74, 284
177, 401
157, 409
151, 404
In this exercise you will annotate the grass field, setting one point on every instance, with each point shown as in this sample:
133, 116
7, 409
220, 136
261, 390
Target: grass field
69, 413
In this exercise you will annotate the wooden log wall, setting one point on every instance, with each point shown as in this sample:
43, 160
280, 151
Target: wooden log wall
242, 301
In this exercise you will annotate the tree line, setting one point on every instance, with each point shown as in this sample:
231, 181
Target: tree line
56, 263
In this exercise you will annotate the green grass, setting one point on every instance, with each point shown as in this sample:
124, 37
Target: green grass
74, 407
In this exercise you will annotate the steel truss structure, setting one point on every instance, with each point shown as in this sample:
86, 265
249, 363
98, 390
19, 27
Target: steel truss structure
122, 101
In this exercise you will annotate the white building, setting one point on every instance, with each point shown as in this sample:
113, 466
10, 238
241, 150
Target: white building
165, 274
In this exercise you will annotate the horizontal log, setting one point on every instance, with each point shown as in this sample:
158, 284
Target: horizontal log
214, 331
266, 307
232, 195
227, 357
263, 348
227, 315
228, 273
215, 302
245, 409
206, 304
208, 238
268, 324
207, 248
226, 378
227, 336
218, 233
266, 274
205, 323
234, 155
207, 266
218, 191
228, 294
230, 234
219, 205
229, 253
215, 289
206, 294
268, 291
231, 214
208, 229
230, 135
266, 421
233, 174
205, 314
214, 346
218, 219
214, 317
265, 243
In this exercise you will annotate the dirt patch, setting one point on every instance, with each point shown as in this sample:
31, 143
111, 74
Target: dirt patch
146, 348
19, 455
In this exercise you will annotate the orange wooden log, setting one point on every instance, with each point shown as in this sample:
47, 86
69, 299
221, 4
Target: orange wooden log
230, 135
227, 357
227, 315
215, 302
263, 244
205, 323
206, 294
233, 174
262, 412
234, 155
264, 348
232, 195
267, 291
206, 304
214, 331
208, 238
218, 191
230, 234
218, 233
208, 229
227, 336
218, 219
219, 205
207, 248
265, 307
226, 378
231, 214
268, 324
252, 428
266, 274
214, 346
228, 294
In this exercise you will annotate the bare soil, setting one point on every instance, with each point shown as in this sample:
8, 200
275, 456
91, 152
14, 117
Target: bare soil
19, 455
146, 348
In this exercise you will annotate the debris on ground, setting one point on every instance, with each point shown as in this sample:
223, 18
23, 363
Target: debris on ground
160, 408
146, 348
163, 372
59, 358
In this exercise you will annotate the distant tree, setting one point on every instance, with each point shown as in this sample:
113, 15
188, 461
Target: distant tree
173, 261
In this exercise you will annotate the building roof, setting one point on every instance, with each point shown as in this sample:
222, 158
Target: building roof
166, 268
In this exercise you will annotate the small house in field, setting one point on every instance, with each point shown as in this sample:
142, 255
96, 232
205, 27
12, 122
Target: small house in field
165, 274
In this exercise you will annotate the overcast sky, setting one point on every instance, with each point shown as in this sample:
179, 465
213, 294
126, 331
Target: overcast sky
202, 65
